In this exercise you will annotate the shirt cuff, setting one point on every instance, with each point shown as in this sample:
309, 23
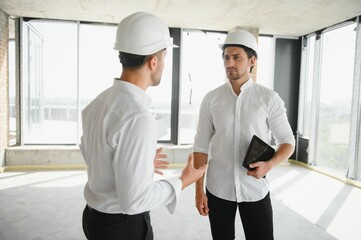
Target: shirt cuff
176, 184
200, 149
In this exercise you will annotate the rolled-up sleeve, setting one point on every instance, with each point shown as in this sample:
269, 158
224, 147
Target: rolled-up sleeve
205, 128
278, 121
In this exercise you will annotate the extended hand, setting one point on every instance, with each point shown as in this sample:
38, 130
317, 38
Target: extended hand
191, 174
159, 163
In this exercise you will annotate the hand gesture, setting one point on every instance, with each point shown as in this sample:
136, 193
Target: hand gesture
158, 162
191, 174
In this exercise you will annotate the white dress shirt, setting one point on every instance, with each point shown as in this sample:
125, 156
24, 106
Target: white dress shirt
226, 125
119, 144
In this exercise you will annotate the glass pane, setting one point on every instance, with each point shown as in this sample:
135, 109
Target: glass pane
337, 70
265, 61
202, 70
51, 83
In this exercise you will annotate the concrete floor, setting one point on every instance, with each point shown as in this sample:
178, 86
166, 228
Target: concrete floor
307, 205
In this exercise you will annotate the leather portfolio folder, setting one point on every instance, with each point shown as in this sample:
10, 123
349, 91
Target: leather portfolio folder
258, 150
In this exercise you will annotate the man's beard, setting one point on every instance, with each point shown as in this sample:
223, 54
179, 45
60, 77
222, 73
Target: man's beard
235, 75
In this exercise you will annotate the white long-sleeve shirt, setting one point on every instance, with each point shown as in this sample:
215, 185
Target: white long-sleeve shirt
119, 144
226, 125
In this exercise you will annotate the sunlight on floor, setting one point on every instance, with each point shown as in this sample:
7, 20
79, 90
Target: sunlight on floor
42, 179
324, 201
351, 210
300, 196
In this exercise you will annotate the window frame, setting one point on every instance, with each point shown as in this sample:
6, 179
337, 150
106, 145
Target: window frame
175, 34
354, 161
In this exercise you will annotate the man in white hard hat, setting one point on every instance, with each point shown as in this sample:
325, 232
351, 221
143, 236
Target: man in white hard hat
229, 117
120, 137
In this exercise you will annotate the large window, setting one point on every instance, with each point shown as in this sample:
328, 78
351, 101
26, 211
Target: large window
329, 97
337, 70
66, 65
50, 82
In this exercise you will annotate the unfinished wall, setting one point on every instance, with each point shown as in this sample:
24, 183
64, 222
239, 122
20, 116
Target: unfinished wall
4, 83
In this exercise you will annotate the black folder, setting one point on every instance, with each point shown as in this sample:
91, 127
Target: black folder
257, 151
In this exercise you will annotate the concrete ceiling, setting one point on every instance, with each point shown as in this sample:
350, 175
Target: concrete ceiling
276, 17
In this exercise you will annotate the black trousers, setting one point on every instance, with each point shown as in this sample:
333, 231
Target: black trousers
104, 226
256, 217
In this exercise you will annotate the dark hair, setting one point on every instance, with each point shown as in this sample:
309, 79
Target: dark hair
129, 60
250, 52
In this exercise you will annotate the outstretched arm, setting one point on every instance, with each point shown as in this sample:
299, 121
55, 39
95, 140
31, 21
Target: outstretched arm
190, 174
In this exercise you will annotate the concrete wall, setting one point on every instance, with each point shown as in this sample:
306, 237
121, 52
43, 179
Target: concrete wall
70, 156
4, 83
287, 77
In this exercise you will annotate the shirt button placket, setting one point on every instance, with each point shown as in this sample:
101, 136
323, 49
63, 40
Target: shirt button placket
237, 119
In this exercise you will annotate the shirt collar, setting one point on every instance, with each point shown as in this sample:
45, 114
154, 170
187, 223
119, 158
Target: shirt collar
245, 85
134, 90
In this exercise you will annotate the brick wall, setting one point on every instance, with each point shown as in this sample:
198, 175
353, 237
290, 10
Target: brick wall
4, 110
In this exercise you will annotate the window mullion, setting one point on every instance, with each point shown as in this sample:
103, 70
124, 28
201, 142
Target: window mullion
316, 101
355, 125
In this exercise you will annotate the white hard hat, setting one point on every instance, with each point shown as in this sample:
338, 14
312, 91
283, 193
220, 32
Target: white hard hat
143, 34
241, 37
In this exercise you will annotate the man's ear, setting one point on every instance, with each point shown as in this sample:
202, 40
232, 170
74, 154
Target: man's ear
152, 62
252, 61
